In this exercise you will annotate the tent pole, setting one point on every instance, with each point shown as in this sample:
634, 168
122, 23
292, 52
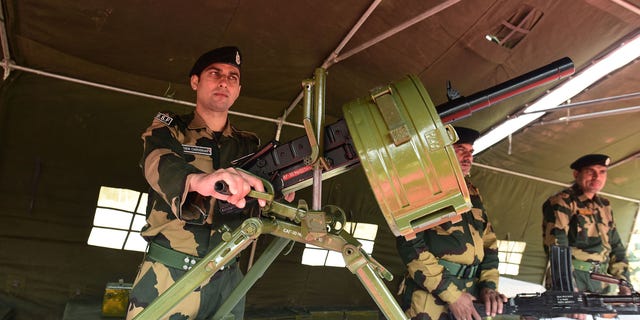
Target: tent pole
330, 60
8, 65
627, 6
524, 175
140, 94
625, 159
590, 115
6, 62
335, 56
397, 29
596, 101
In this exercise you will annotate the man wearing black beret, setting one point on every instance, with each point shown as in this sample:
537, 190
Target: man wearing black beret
183, 157
454, 263
581, 219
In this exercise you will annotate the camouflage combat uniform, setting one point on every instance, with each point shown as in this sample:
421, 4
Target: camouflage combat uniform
174, 147
432, 257
587, 227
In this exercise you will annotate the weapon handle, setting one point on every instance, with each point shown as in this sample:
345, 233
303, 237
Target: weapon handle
223, 188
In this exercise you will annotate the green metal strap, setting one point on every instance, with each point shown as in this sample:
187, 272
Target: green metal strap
587, 266
391, 114
175, 259
459, 270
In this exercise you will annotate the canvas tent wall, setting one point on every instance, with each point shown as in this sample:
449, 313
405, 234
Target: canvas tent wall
61, 141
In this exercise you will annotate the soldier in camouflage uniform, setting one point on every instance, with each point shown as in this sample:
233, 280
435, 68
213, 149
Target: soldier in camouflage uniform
581, 219
183, 158
453, 264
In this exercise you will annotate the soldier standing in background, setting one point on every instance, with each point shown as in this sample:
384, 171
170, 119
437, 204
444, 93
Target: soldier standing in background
579, 218
183, 158
453, 264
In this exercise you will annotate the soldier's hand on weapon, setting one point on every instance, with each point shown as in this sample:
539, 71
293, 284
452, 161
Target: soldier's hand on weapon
624, 290
290, 196
239, 185
463, 309
493, 301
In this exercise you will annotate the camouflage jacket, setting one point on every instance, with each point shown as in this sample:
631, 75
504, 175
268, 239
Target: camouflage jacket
470, 241
174, 147
587, 226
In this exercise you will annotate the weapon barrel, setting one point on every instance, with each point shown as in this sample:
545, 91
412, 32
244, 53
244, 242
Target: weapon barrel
463, 107
622, 299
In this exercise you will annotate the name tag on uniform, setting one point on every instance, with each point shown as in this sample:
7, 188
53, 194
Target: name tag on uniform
196, 150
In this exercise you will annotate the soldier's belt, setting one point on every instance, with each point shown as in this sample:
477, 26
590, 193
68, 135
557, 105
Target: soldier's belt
176, 259
463, 271
590, 266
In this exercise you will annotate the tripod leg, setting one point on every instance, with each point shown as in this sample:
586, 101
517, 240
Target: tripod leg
255, 273
368, 271
201, 271
359, 264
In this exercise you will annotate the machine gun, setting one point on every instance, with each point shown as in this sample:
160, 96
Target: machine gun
555, 303
562, 299
559, 303
406, 151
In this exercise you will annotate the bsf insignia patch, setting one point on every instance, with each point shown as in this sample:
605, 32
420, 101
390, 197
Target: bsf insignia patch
164, 118
196, 150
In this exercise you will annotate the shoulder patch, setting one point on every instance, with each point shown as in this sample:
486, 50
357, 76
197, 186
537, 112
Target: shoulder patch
164, 118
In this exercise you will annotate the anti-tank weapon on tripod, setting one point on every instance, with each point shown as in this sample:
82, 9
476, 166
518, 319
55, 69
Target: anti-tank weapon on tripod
406, 151
288, 167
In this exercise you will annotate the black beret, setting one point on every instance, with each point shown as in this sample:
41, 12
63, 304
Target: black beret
590, 160
228, 55
466, 135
